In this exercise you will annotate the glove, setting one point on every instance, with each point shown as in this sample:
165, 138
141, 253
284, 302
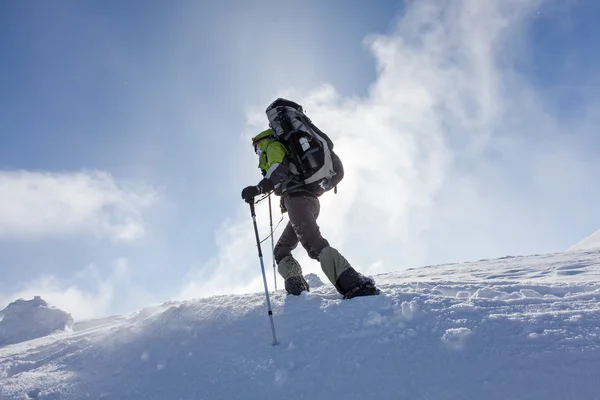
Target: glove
249, 192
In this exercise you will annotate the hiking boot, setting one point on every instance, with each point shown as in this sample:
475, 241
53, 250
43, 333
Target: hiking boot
353, 284
291, 272
332, 264
348, 282
296, 285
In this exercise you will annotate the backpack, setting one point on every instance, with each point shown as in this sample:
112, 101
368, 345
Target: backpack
311, 150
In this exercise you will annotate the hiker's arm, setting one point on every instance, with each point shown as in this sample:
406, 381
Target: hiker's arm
277, 167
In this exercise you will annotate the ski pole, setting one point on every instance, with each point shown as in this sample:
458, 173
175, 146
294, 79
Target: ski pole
262, 267
272, 243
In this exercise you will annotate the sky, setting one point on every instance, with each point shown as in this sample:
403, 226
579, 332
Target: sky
466, 128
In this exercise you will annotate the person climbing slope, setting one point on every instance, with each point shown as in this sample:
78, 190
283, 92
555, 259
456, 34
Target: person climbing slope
298, 164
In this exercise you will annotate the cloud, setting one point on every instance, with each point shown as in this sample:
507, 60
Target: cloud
237, 266
90, 294
452, 154
41, 204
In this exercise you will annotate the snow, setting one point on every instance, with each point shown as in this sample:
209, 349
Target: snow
511, 328
589, 243
29, 319
313, 281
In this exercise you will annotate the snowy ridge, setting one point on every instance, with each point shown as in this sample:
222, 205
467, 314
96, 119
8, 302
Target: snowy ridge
29, 319
512, 328
589, 243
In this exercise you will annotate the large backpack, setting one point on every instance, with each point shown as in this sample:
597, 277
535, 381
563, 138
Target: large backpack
311, 150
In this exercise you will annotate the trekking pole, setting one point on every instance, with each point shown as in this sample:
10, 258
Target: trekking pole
272, 243
262, 267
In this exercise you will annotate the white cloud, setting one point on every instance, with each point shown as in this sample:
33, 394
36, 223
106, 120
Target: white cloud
38, 204
236, 267
451, 155
92, 292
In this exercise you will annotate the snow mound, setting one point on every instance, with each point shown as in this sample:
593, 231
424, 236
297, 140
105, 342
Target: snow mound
313, 281
30, 319
589, 243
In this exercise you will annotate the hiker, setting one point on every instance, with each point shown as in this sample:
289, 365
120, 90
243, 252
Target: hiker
281, 174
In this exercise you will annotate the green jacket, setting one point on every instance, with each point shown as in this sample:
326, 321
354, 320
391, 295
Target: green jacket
280, 175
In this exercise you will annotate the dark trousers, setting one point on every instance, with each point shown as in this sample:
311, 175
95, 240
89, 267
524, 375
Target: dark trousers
303, 211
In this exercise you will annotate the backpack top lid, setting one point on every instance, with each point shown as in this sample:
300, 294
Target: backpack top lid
281, 102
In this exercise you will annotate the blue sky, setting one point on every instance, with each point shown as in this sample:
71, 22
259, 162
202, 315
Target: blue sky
124, 131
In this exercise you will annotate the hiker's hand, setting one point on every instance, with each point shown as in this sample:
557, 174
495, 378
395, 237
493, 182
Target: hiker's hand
249, 192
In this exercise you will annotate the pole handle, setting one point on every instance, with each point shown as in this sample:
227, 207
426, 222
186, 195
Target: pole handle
252, 209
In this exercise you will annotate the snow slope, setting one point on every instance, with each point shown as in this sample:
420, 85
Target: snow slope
29, 319
589, 243
512, 328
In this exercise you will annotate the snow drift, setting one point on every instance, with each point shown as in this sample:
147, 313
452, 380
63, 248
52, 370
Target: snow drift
589, 243
29, 319
512, 328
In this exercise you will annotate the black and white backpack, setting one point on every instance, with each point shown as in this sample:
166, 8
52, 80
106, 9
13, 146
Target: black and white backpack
311, 150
